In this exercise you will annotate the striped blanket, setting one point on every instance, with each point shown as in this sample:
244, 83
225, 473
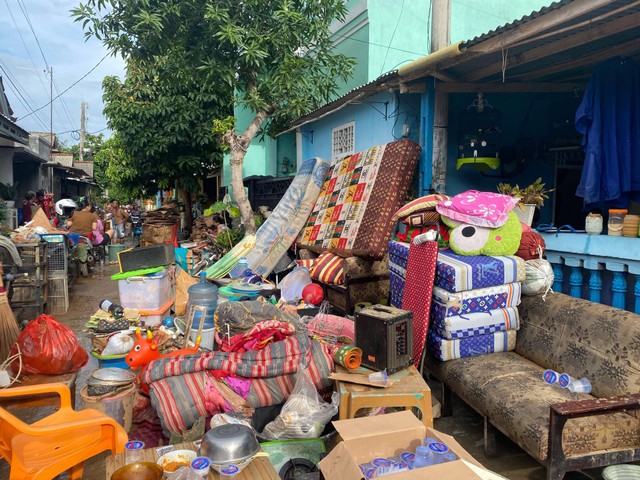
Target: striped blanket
177, 384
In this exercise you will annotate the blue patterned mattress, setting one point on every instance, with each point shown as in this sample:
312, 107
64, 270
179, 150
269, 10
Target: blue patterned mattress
396, 289
450, 304
458, 273
479, 323
398, 257
444, 349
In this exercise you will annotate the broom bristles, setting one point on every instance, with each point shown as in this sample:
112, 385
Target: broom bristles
9, 330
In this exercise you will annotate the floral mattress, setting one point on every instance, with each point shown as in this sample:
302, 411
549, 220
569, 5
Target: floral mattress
353, 213
458, 273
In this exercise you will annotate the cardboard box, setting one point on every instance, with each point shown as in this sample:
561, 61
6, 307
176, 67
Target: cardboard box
366, 438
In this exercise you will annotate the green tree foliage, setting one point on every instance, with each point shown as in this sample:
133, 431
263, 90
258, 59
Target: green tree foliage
116, 172
275, 56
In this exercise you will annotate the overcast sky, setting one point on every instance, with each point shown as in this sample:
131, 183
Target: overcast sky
62, 41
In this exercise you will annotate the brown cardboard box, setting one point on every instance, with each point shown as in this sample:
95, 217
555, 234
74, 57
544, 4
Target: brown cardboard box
366, 438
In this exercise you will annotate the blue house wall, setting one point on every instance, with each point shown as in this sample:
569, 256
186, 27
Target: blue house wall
378, 119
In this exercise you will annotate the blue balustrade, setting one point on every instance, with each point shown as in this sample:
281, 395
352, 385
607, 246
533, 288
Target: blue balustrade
612, 263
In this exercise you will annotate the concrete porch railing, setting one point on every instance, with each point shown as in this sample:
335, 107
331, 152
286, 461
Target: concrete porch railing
599, 268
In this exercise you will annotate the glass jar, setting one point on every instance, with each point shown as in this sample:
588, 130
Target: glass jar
593, 224
616, 220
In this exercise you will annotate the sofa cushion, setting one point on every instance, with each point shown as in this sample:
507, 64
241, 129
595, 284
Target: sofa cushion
583, 339
509, 390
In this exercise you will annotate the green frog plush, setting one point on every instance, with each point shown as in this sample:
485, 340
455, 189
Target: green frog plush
466, 239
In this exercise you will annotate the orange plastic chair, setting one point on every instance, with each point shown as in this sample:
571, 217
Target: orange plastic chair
59, 442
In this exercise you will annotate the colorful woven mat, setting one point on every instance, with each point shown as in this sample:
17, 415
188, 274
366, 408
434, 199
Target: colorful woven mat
348, 356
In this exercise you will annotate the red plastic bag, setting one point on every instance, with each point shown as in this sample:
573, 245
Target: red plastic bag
49, 347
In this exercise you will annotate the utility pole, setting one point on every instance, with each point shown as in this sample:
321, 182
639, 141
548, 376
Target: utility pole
440, 38
82, 120
50, 112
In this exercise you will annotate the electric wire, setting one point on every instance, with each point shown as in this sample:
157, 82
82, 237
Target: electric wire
69, 87
395, 29
21, 97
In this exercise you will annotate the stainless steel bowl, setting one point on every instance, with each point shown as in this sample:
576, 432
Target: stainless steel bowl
229, 444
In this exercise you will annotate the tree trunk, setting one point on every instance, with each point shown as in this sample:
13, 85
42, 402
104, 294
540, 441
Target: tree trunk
239, 193
239, 145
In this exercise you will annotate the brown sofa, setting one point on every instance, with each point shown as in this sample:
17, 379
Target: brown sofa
564, 431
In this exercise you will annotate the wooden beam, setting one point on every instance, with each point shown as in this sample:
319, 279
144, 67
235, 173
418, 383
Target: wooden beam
595, 33
543, 23
414, 88
507, 87
627, 48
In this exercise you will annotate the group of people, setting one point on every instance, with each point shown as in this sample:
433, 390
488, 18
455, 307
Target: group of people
87, 221
34, 201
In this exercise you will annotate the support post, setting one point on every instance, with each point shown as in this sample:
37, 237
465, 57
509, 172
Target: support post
595, 286
575, 280
619, 289
558, 277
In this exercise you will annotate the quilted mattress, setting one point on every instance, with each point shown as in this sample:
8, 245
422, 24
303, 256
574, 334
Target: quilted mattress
353, 213
279, 231
458, 273
479, 323
449, 304
444, 349
396, 288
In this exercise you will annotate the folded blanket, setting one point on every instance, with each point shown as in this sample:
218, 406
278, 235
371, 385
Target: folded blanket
449, 304
479, 323
177, 384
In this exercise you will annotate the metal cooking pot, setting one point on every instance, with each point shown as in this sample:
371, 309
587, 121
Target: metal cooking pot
229, 444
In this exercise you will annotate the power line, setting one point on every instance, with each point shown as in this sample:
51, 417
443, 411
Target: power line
25, 103
26, 16
68, 88
392, 37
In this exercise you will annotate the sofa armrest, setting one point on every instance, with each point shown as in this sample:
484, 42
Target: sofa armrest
561, 412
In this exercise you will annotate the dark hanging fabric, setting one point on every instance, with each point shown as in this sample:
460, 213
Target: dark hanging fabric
609, 120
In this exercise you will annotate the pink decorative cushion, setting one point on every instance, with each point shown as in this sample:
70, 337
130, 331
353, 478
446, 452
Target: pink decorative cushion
482, 209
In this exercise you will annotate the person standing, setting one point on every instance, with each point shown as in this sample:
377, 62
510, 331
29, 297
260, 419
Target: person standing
29, 207
120, 217
44, 203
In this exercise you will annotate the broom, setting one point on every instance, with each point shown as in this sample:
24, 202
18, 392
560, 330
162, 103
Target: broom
9, 330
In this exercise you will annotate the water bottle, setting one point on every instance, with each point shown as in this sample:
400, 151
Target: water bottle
565, 379
422, 458
582, 386
113, 308
436, 452
550, 376
203, 294
240, 268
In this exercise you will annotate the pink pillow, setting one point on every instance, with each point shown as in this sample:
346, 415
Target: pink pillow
482, 209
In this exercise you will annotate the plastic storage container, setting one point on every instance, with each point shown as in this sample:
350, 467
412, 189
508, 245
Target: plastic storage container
114, 361
616, 220
154, 317
203, 294
630, 225
150, 292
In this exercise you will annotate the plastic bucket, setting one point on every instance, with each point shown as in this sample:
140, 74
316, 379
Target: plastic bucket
113, 252
118, 406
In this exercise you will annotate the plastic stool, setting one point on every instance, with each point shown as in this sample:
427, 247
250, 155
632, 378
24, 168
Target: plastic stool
409, 391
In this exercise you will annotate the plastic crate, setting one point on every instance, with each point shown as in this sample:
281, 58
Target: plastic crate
154, 317
149, 292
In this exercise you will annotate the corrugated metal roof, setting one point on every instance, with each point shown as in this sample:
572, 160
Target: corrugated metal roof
559, 44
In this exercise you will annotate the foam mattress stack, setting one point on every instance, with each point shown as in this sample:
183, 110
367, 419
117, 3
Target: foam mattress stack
398, 257
474, 305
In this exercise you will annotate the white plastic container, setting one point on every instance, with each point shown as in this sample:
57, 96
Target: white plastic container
150, 292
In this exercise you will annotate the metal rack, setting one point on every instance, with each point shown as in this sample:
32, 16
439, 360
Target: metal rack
57, 273
30, 285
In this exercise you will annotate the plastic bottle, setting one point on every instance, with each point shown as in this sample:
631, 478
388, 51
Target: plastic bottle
203, 294
436, 452
422, 458
565, 379
241, 267
583, 386
113, 308
550, 376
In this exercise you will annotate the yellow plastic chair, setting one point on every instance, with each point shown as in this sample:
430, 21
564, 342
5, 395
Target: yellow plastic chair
57, 443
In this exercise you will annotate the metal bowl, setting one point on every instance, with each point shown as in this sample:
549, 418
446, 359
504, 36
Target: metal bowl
138, 471
229, 444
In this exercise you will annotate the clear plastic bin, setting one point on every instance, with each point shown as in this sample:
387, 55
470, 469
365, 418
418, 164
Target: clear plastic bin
149, 292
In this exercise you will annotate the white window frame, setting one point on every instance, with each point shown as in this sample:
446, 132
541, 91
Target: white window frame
341, 151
